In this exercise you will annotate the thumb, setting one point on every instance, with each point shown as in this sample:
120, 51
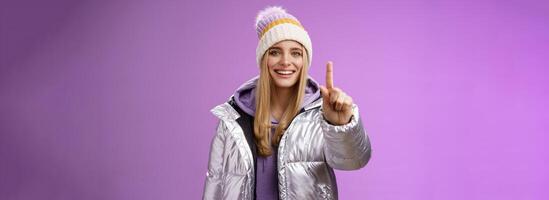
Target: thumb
325, 94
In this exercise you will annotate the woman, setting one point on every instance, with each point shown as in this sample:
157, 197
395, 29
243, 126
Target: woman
281, 134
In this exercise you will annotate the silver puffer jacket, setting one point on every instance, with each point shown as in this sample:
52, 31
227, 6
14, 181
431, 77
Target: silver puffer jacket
307, 154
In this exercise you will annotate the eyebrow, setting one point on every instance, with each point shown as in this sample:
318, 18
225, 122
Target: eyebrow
278, 48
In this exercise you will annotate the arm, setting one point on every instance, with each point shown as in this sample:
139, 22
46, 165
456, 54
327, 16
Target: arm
347, 147
213, 188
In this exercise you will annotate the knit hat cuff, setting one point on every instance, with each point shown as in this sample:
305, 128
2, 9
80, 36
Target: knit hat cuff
282, 32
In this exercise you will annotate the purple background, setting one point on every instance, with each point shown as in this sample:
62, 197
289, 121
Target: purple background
111, 99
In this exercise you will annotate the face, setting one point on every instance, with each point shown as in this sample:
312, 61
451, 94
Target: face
285, 61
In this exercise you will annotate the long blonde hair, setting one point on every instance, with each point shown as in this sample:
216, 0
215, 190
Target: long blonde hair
262, 119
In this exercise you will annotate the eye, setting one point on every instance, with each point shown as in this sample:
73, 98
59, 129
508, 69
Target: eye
273, 52
296, 54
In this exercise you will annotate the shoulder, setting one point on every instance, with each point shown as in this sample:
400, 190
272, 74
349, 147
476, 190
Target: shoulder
225, 111
227, 116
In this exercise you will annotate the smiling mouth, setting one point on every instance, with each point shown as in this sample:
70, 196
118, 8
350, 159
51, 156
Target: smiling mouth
285, 72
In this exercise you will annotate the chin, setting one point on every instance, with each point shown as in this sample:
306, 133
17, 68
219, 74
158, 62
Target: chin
285, 83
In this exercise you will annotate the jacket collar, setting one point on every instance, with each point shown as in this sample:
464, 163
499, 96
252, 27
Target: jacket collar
226, 112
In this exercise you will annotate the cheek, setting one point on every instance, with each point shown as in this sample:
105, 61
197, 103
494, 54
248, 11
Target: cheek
299, 63
271, 62
299, 66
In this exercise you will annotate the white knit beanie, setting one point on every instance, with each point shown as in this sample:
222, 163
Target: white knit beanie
273, 25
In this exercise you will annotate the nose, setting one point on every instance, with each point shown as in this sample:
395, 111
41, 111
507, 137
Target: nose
285, 61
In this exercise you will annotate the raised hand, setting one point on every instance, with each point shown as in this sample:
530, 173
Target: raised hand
337, 105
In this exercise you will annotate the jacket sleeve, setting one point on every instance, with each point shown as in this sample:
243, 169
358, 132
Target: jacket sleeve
347, 147
213, 188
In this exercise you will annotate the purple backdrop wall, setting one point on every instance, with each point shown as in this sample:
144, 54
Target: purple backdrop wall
111, 99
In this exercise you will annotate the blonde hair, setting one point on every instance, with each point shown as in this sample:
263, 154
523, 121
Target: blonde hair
262, 119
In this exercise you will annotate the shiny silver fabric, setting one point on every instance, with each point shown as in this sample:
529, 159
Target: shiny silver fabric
308, 152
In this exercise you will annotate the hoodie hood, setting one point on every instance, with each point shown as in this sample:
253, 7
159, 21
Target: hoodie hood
244, 96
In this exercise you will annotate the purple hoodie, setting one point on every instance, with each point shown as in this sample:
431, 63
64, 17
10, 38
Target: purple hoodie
266, 174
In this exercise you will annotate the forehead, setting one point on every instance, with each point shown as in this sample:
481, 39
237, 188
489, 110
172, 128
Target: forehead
287, 44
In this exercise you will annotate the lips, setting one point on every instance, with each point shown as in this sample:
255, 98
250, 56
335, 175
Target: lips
285, 72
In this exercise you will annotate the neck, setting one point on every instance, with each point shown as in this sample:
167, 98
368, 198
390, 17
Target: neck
280, 98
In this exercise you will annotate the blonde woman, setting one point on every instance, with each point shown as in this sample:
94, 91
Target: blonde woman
281, 134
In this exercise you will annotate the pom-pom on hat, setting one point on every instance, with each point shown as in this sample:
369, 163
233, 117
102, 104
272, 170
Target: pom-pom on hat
274, 24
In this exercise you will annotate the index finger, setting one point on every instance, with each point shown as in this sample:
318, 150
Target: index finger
329, 75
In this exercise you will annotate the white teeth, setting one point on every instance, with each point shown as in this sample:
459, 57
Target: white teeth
284, 72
